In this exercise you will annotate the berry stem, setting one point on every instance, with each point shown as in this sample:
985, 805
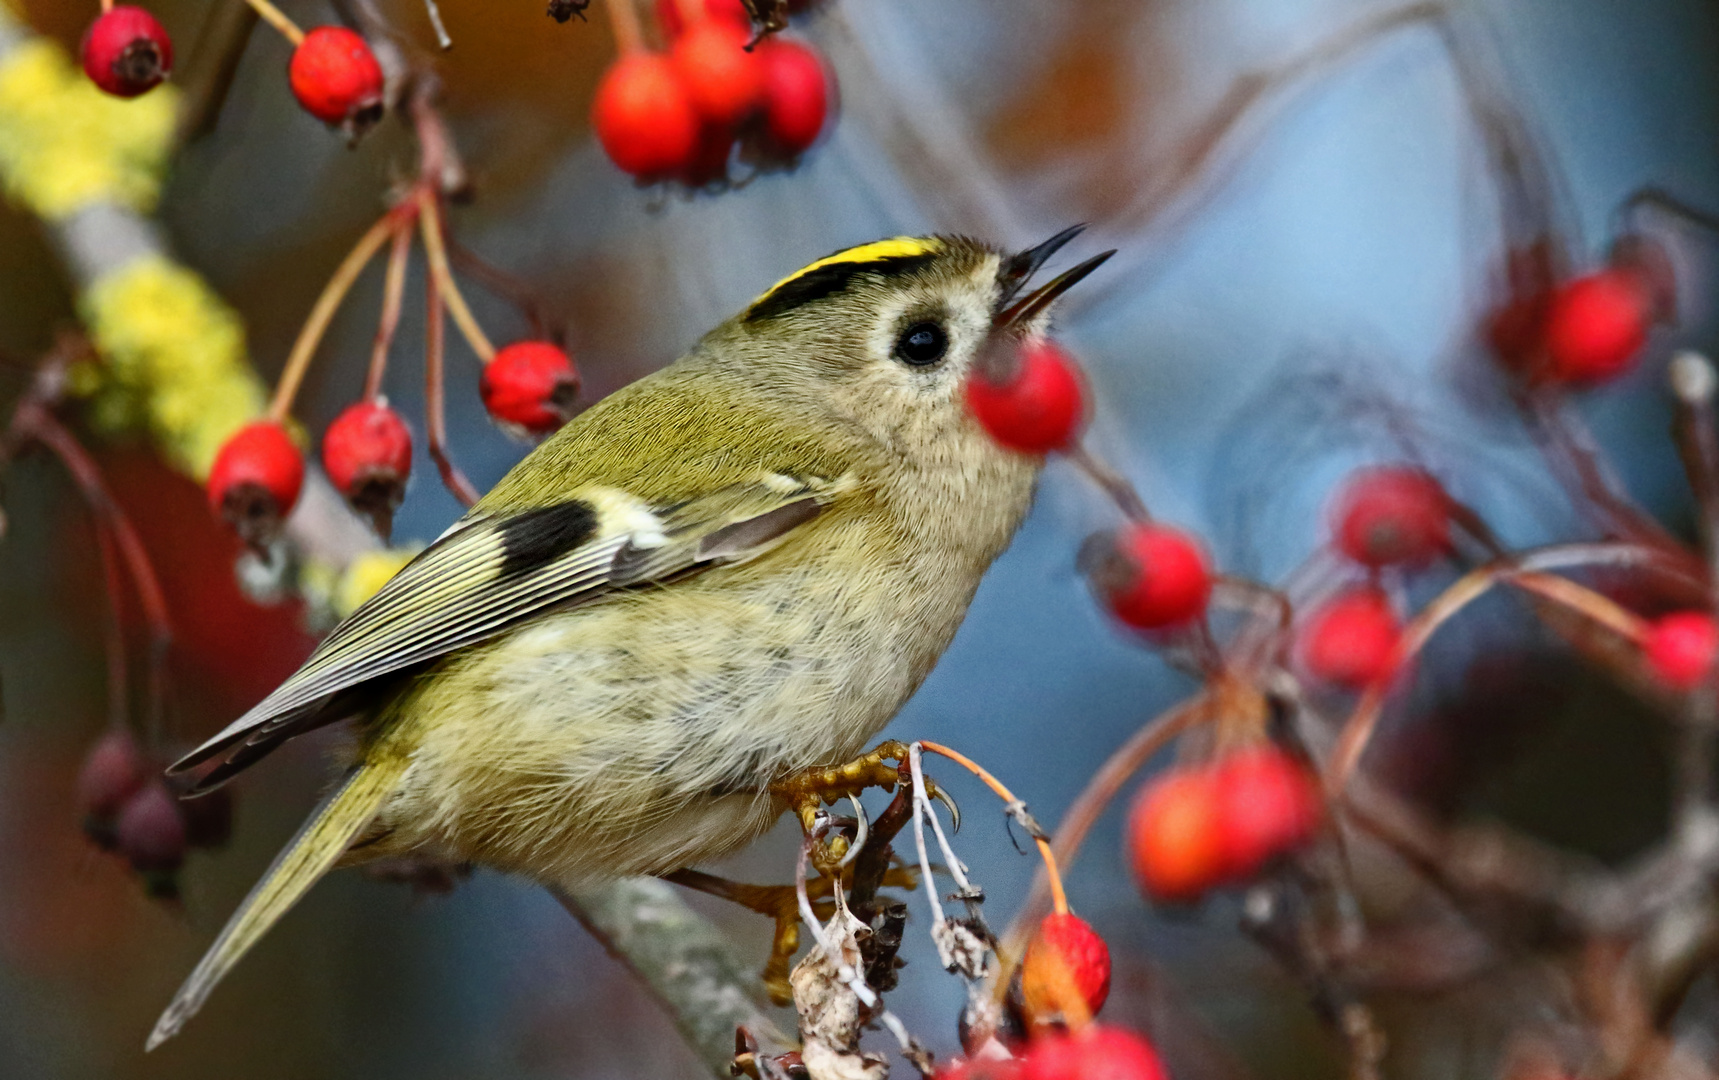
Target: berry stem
277, 18
507, 287
1110, 482
322, 313
1664, 201
1122, 764
113, 630
1529, 573
435, 420
393, 292
1018, 810
624, 20
87, 475
442, 277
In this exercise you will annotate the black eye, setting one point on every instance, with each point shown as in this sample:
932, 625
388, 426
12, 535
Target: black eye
922, 344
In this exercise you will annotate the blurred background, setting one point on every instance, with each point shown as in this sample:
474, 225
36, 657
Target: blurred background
1309, 298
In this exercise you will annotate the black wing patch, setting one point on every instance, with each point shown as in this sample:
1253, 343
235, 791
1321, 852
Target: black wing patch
538, 537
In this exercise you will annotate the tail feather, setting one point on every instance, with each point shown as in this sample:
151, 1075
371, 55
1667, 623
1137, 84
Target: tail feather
316, 848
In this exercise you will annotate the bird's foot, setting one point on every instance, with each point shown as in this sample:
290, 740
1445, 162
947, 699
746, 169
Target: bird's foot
807, 791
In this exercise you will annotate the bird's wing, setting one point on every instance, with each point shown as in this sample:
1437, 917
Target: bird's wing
492, 571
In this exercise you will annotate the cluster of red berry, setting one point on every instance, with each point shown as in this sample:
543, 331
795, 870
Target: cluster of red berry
129, 810
333, 72
1200, 826
528, 387
679, 115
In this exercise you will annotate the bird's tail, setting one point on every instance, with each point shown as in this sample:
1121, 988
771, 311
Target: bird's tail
316, 848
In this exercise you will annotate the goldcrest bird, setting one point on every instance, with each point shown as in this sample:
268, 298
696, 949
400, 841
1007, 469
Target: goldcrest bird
728, 572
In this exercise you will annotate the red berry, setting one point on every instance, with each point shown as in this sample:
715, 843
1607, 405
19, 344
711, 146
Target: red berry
796, 95
530, 386
644, 117
336, 78
1038, 408
1268, 804
152, 830
112, 772
723, 80
126, 51
255, 481
1680, 648
1352, 640
1066, 956
670, 20
1596, 326
1175, 836
1392, 514
1152, 576
1099, 1052
367, 453
981, 1069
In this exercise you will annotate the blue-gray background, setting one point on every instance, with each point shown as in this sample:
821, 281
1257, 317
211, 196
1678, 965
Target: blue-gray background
1350, 232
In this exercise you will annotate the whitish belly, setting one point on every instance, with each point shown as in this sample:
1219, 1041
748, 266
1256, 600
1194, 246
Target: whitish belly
640, 735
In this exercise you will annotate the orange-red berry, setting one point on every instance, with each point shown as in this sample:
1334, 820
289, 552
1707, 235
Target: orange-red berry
1065, 956
256, 479
1392, 514
1352, 640
644, 117
126, 51
1680, 648
1175, 836
1098, 1052
335, 76
367, 453
1038, 407
1268, 804
796, 95
530, 386
724, 81
1152, 576
1596, 326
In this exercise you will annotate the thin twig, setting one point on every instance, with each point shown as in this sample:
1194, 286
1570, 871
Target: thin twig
322, 313
276, 18
1017, 810
393, 293
435, 420
443, 278
624, 20
1088, 806
151, 599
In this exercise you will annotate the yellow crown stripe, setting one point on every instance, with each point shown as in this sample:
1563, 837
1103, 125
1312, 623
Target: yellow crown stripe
895, 247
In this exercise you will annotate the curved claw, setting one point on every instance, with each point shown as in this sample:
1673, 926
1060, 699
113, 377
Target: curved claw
862, 830
947, 800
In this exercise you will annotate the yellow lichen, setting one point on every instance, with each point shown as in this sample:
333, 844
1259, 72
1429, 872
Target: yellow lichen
64, 144
365, 576
174, 359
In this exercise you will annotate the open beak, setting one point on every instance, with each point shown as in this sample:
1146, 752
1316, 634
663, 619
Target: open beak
1018, 268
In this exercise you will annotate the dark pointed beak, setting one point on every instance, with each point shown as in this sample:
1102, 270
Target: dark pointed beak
1023, 310
1018, 268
